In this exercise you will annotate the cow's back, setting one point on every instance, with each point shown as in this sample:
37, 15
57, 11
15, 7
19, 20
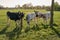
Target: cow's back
13, 16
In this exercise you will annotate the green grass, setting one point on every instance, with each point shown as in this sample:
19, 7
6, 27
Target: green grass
42, 34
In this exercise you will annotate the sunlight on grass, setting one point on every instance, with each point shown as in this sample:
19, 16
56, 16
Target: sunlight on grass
47, 34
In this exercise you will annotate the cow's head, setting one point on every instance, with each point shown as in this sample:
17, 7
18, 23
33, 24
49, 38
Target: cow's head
21, 14
36, 12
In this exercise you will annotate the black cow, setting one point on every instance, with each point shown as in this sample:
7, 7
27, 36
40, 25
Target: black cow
15, 15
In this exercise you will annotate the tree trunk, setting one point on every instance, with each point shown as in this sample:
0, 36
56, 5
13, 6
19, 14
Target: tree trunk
51, 19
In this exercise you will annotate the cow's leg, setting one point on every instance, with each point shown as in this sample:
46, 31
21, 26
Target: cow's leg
8, 21
35, 20
45, 23
47, 20
28, 27
19, 28
28, 24
18, 23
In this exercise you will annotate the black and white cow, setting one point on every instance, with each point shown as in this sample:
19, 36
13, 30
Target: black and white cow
15, 16
44, 16
31, 16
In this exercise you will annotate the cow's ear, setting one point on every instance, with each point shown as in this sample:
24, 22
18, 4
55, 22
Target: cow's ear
23, 13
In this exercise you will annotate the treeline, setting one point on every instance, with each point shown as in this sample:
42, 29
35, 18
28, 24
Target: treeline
56, 7
30, 6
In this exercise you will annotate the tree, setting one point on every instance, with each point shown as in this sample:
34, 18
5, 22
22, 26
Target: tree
48, 8
1, 7
37, 7
27, 6
17, 6
56, 6
43, 7
51, 19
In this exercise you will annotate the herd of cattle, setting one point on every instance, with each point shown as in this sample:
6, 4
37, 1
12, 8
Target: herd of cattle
33, 15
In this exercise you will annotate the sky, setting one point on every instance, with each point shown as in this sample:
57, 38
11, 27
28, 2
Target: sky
13, 3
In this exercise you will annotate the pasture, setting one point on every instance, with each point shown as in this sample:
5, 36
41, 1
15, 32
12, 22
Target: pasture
33, 34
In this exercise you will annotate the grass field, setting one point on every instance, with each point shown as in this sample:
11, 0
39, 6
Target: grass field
41, 34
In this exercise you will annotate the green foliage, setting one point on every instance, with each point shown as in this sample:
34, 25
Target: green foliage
56, 6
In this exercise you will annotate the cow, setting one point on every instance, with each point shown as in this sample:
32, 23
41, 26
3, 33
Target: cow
31, 16
15, 16
44, 16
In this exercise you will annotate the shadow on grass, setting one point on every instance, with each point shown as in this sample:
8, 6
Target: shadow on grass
15, 33
55, 31
46, 26
35, 27
4, 30
58, 34
55, 24
19, 31
10, 35
27, 29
